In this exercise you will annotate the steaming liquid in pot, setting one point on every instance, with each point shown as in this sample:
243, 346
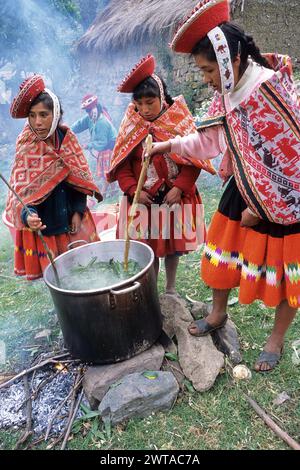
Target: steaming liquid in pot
98, 274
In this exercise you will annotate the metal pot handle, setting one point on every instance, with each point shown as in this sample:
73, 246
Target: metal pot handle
135, 286
76, 241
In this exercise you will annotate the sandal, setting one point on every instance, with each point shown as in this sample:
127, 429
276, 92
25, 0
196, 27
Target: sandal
204, 328
270, 358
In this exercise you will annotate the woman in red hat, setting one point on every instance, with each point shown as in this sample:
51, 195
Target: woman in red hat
254, 238
52, 177
169, 201
102, 136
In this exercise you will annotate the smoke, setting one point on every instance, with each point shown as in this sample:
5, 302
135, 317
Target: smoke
35, 38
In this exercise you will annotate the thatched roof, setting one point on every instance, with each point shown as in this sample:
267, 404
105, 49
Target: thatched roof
133, 21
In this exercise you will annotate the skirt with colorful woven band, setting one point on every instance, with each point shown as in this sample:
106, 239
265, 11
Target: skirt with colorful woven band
178, 229
30, 255
263, 261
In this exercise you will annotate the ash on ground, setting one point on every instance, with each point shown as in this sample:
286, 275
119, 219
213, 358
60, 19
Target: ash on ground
43, 406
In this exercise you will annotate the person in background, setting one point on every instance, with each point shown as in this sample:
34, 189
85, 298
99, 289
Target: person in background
170, 180
102, 137
52, 177
254, 237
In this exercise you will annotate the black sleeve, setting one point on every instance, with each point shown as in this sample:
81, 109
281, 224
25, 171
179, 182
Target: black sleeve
24, 214
77, 201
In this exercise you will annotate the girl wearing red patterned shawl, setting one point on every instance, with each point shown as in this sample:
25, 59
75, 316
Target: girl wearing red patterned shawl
169, 186
52, 177
254, 238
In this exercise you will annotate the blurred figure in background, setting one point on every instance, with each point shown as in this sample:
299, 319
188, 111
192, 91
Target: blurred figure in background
102, 137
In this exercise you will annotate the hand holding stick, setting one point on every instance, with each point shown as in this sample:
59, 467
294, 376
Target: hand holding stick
49, 254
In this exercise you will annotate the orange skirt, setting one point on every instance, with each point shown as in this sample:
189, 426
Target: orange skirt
167, 230
263, 266
30, 256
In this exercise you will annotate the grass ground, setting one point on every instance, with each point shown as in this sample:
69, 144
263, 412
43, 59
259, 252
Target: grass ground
217, 419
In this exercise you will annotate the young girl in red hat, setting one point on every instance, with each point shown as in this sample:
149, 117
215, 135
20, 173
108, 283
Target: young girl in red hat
254, 238
52, 177
169, 196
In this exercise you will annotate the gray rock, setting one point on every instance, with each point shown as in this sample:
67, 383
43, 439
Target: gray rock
168, 345
198, 357
98, 379
175, 368
138, 396
201, 309
167, 314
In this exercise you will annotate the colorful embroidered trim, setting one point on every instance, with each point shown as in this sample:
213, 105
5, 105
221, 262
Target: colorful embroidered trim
250, 271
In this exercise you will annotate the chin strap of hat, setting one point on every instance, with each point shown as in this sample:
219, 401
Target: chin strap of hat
222, 51
56, 112
161, 91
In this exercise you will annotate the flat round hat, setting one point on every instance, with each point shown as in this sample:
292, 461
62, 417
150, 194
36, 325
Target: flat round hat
205, 16
142, 70
29, 90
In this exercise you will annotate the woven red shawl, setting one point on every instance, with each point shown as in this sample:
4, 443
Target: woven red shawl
38, 169
176, 120
263, 135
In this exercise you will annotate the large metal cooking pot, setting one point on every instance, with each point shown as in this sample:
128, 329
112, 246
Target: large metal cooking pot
114, 323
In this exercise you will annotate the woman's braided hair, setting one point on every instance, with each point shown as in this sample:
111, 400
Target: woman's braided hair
239, 43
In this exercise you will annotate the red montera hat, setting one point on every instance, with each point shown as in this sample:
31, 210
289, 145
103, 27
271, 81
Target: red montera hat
29, 90
89, 102
206, 15
142, 70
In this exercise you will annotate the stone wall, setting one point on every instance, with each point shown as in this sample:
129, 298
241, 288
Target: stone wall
274, 25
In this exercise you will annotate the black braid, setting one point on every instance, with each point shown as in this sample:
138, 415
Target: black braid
255, 53
238, 42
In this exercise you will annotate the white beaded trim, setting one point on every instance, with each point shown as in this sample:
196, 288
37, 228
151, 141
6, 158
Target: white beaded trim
222, 51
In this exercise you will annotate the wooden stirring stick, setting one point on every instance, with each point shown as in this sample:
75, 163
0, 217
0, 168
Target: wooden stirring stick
146, 161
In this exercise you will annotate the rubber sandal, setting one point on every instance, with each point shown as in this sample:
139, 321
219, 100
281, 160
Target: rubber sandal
205, 328
272, 359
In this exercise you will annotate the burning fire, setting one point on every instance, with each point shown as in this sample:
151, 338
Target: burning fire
61, 367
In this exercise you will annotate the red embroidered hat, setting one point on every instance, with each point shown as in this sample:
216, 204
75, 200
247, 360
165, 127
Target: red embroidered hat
89, 102
206, 15
29, 90
142, 70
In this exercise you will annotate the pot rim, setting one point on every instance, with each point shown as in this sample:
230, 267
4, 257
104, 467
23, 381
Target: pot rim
105, 289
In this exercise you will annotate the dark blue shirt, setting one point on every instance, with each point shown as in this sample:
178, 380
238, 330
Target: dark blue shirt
57, 210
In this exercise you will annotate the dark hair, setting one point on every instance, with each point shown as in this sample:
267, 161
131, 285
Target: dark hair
46, 99
235, 35
150, 89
